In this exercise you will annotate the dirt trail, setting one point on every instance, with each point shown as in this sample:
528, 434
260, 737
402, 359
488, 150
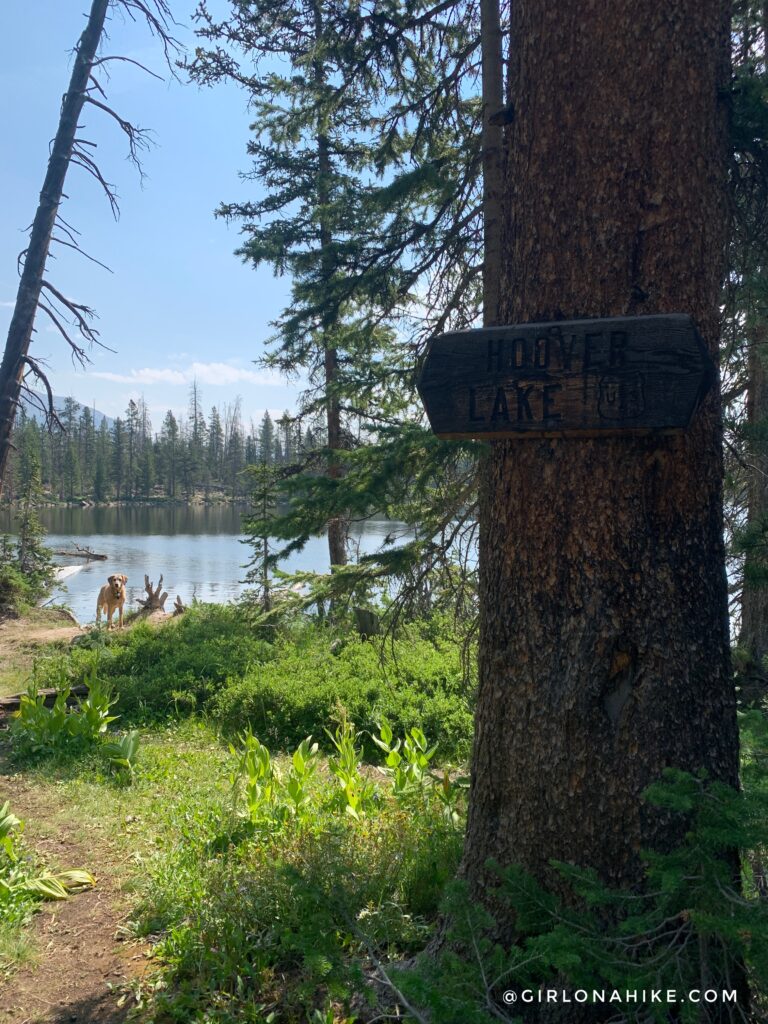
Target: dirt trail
22, 640
83, 960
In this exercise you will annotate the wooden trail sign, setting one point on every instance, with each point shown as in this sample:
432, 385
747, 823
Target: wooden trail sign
618, 375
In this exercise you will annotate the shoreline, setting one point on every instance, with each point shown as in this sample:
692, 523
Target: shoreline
197, 500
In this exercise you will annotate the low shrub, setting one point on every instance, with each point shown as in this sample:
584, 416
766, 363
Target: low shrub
174, 669
40, 730
412, 683
284, 684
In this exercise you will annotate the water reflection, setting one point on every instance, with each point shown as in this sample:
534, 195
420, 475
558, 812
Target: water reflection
198, 549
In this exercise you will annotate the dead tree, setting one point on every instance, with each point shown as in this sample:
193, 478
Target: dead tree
154, 601
73, 320
178, 606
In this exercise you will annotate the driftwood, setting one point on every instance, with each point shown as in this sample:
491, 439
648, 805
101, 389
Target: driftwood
178, 606
154, 600
86, 553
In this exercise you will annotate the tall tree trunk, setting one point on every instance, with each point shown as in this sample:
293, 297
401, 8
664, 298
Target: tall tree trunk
28, 294
337, 530
754, 596
604, 652
492, 143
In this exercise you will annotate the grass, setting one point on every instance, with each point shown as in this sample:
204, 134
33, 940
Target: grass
21, 647
269, 880
18, 948
254, 905
184, 766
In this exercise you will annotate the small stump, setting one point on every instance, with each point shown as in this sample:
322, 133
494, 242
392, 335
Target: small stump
154, 600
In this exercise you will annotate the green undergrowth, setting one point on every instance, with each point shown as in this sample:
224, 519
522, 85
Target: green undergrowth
281, 681
24, 883
264, 878
282, 858
273, 885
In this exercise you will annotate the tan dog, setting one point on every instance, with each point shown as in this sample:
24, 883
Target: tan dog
112, 596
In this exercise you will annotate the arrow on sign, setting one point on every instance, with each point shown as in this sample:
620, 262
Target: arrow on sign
618, 375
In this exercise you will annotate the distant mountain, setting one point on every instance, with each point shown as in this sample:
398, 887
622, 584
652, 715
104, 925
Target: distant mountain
32, 410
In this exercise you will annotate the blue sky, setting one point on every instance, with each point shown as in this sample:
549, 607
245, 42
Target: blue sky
179, 304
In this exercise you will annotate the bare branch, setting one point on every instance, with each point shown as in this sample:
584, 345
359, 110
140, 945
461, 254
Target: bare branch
158, 16
88, 164
77, 248
67, 225
80, 312
51, 415
78, 352
138, 138
96, 85
128, 60
105, 186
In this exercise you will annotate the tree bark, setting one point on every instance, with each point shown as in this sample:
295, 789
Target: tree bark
337, 531
754, 597
491, 47
604, 654
28, 294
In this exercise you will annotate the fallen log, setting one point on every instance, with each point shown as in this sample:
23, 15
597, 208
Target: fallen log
10, 704
90, 556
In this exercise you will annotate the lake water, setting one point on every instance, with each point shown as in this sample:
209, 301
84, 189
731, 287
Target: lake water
198, 549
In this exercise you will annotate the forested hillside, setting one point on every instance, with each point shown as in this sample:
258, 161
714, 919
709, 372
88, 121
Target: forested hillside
130, 458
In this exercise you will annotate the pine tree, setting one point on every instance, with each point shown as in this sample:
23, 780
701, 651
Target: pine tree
362, 210
307, 151
215, 451
266, 440
169, 452
101, 474
87, 450
118, 460
32, 557
604, 654
71, 472
256, 526
196, 441
132, 443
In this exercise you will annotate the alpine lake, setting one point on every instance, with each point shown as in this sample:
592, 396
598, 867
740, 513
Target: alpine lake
199, 550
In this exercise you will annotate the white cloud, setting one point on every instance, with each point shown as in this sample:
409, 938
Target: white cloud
210, 374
